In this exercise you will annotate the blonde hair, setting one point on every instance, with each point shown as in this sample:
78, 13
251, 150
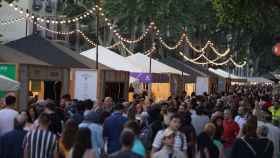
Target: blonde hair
210, 129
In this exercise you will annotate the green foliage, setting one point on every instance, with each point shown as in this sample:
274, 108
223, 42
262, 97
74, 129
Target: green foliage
256, 21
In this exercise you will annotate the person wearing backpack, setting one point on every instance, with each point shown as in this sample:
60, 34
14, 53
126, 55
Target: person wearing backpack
250, 145
180, 138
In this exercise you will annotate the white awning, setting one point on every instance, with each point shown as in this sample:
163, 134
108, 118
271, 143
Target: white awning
7, 84
225, 74
143, 62
110, 59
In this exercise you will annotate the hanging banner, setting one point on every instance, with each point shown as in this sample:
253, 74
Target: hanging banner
202, 85
8, 70
85, 84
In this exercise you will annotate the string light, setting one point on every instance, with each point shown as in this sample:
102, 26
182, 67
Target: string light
123, 40
87, 39
208, 61
117, 33
126, 49
178, 44
150, 51
56, 20
55, 32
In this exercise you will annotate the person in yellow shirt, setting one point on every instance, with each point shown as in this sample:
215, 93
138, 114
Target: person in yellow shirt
275, 110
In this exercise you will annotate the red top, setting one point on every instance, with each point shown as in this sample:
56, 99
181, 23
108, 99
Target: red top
267, 104
231, 130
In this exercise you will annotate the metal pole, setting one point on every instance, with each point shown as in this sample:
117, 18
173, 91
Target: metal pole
97, 31
26, 25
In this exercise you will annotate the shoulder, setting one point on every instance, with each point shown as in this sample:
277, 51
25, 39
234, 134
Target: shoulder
180, 154
158, 154
89, 153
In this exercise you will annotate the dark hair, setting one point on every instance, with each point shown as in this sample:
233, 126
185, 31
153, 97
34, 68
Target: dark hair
118, 106
82, 142
19, 124
10, 100
176, 116
134, 126
88, 104
44, 119
80, 106
29, 119
51, 106
127, 138
69, 134
250, 127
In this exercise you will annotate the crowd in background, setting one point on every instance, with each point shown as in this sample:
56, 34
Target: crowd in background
240, 123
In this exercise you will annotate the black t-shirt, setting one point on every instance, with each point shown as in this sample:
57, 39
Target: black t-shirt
204, 141
125, 154
252, 148
56, 123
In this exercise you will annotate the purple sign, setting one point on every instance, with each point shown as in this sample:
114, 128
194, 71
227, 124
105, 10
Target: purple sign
142, 77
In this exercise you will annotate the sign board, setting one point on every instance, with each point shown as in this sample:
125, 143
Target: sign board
8, 70
85, 84
221, 85
202, 85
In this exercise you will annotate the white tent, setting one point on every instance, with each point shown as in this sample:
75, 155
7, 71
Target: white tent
7, 84
143, 62
225, 74
258, 80
110, 59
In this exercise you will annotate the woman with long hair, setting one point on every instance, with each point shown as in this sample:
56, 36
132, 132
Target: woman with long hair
82, 146
67, 138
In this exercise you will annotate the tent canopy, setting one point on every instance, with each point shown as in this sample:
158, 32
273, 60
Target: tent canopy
259, 80
7, 84
225, 74
143, 62
110, 59
49, 52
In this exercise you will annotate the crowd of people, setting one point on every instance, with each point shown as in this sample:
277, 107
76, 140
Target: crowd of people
240, 123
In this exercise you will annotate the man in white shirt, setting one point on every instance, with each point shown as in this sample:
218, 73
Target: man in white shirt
8, 115
199, 120
240, 119
273, 132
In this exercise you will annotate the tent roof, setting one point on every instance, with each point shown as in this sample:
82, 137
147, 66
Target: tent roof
48, 52
224, 74
7, 84
192, 69
142, 61
110, 59
10, 55
259, 80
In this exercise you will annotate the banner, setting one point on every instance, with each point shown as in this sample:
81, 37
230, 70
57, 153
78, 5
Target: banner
202, 85
85, 84
8, 70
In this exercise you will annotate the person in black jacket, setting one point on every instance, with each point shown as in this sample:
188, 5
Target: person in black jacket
206, 147
250, 145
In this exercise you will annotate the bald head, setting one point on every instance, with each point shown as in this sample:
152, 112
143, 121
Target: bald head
19, 121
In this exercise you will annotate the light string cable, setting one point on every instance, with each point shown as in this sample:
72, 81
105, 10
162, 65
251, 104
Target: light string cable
53, 20
208, 61
118, 34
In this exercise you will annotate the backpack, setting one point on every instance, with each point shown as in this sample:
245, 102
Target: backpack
253, 150
149, 132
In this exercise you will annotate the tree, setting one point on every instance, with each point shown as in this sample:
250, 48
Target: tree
171, 16
253, 23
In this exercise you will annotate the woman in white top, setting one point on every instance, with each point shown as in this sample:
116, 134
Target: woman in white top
82, 146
